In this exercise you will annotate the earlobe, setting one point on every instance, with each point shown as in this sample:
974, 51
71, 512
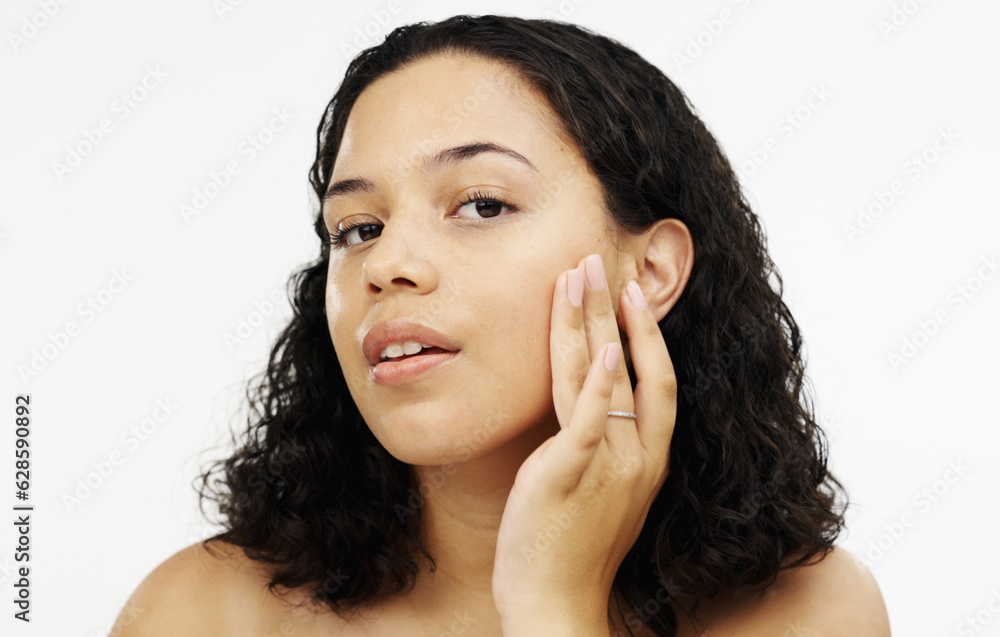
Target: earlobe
666, 253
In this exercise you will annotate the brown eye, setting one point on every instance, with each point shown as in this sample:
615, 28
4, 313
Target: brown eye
486, 206
365, 232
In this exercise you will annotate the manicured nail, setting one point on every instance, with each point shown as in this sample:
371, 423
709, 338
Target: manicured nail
574, 287
611, 356
595, 272
635, 295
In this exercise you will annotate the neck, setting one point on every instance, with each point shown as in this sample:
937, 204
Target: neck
460, 521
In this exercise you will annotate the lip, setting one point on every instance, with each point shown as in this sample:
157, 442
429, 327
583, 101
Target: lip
399, 330
400, 372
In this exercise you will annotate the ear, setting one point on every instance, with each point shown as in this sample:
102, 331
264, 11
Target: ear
662, 257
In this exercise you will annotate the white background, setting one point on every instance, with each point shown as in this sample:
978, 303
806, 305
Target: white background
888, 94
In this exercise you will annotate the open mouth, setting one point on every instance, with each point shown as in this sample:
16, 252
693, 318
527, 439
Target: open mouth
401, 370
423, 352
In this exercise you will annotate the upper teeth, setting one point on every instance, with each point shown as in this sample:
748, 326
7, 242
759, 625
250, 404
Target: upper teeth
395, 350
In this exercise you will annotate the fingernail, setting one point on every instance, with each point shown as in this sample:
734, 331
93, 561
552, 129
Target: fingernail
595, 272
635, 295
611, 356
574, 287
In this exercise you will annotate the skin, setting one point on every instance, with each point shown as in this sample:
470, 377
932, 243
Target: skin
531, 502
458, 425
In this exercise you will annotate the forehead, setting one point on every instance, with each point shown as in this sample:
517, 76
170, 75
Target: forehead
444, 101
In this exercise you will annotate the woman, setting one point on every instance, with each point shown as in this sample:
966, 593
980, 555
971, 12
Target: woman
537, 381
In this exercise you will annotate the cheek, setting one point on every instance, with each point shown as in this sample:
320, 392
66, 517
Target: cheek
335, 305
522, 323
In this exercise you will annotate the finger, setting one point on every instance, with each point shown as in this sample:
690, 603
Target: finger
656, 383
602, 327
573, 448
568, 353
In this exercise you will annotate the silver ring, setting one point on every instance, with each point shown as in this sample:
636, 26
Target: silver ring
622, 414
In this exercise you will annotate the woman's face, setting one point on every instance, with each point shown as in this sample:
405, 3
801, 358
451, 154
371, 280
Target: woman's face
482, 275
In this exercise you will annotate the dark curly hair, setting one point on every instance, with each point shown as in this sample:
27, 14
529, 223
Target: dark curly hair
311, 492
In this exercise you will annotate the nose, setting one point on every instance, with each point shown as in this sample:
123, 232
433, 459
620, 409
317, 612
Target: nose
398, 259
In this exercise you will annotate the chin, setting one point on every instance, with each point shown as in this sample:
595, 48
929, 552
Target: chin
432, 446
434, 441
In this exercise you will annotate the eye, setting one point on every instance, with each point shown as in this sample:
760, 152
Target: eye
344, 236
487, 206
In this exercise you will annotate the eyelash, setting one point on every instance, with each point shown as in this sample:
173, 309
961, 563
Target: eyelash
476, 196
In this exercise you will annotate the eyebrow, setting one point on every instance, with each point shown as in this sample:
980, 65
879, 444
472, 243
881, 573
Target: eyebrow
445, 157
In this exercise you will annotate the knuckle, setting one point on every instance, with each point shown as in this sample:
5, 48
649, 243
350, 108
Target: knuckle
602, 311
621, 375
589, 439
605, 391
629, 467
668, 387
652, 331
622, 465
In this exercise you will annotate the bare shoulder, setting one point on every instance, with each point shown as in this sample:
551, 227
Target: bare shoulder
833, 597
197, 591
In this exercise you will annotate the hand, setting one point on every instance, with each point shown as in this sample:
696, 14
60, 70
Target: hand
580, 500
